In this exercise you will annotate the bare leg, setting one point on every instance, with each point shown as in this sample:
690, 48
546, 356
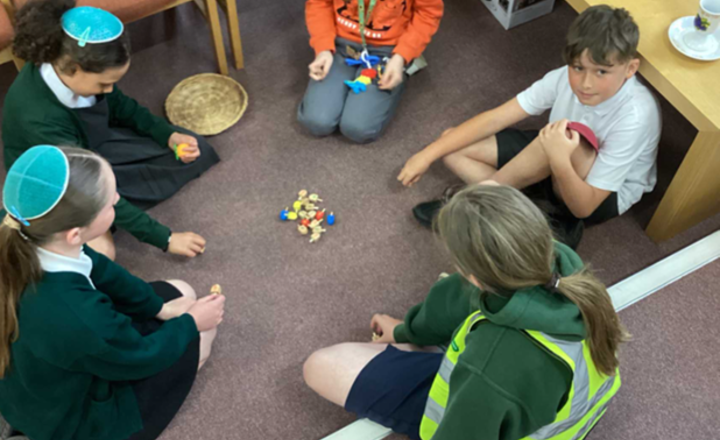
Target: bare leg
474, 163
104, 244
206, 338
331, 371
531, 165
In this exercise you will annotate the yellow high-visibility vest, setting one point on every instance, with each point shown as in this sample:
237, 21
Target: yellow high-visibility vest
590, 392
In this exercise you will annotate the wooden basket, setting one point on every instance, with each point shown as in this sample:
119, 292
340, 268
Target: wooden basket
207, 104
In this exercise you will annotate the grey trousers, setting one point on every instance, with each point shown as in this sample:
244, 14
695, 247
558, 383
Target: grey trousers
330, 104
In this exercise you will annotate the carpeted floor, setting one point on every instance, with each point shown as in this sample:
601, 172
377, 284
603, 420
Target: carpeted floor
287, 297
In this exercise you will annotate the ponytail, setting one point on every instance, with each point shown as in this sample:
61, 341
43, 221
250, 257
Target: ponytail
39, 34
19, 267
501, 238
605, 333
40, 38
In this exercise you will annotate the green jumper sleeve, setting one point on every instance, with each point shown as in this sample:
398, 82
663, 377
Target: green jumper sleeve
126, 112
434, 321
131, 295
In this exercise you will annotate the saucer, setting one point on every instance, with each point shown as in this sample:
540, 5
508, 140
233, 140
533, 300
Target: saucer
682, 27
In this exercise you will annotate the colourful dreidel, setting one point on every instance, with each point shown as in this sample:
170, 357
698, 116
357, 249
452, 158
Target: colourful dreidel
302, 194
292, 215
297, 205
305, 222
314, 198
303, 229
216, 289
319, 215
284, 214
331, 219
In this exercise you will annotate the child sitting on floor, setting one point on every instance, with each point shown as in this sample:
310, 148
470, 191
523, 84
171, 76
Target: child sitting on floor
87, 351
532, 337
66, 95
597, 88
395, 29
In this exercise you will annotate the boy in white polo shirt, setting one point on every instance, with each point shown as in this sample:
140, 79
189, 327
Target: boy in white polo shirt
597, 88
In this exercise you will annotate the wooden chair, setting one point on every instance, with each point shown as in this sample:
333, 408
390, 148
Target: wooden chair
6, 35
133, 10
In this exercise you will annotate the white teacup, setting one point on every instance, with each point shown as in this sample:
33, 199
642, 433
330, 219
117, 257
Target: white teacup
706, 23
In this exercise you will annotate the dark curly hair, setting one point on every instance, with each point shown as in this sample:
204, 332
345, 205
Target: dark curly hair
605, 32
39, 38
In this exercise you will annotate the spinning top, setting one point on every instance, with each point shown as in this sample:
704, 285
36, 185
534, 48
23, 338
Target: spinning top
303, 229
331, 219
216, 289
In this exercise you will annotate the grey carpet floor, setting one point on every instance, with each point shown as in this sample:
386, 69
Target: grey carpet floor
287, 297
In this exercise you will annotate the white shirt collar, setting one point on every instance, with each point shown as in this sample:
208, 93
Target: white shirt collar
66, 96
52, 262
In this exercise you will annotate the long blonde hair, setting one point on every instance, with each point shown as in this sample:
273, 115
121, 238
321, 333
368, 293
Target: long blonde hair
19, 265
498, 236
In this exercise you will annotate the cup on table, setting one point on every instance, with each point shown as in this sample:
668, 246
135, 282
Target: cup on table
706, 23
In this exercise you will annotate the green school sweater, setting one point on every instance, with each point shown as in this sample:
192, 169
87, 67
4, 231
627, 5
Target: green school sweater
32, 115
77, 349
504, 386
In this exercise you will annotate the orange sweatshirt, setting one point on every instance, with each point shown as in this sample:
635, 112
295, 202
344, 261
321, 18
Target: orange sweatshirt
406, 24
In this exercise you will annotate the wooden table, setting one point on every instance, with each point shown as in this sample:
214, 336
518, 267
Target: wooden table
693, 88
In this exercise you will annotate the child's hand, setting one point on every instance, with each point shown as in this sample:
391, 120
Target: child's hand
173, 309
557, 141
191, 153
414, 169
188, 244
393, 73
384, 326
321, 66
208, 312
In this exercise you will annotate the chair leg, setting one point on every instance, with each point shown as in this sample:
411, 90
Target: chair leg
231, 11
217, 37
19, 63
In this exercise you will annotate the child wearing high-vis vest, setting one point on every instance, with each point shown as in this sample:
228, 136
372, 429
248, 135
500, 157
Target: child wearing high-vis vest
531, 337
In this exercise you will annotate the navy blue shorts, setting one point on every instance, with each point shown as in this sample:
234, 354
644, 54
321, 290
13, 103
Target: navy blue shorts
393, 387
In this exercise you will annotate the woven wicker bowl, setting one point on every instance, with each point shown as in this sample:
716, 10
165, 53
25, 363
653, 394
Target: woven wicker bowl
207, 104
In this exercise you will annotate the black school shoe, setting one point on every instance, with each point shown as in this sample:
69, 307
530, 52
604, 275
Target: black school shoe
568, 230
426, 212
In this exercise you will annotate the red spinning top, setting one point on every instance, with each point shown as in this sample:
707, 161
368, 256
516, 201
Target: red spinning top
305, 222
370, 73
319, 215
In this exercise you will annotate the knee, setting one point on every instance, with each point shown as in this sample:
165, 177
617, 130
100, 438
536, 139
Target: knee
316, 121
359, 132
316, 366
451, 160
185, 289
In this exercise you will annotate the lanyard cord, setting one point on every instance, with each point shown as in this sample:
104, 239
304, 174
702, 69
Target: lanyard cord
363, 18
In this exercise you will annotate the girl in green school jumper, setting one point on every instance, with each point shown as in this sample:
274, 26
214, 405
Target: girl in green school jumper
66, 95
531, 337
87, 351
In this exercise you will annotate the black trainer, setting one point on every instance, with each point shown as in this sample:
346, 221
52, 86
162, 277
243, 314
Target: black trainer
426, 212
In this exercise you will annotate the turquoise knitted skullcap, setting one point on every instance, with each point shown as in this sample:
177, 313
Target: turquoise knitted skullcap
35, 183
91, 25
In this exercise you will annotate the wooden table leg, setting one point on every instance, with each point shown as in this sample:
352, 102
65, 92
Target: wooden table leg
694, 193
230, 7
217, 37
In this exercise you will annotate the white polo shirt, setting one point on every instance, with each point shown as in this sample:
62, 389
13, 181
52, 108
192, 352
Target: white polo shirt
52, 262
627, 126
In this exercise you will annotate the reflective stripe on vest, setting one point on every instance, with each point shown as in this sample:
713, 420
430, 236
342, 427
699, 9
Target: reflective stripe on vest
590, 392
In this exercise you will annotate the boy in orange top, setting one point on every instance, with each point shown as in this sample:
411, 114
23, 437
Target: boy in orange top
397, 31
